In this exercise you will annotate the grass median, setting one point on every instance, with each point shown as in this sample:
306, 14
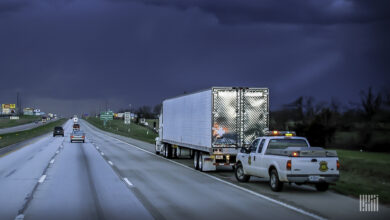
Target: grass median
364, 173
118, 127
23, 119
16, 137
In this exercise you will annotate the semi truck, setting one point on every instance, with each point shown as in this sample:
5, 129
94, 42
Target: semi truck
211, 126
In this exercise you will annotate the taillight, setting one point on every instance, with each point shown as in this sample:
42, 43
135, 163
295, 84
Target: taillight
288, 165
71, 136
295, 154
338, 165
83, 137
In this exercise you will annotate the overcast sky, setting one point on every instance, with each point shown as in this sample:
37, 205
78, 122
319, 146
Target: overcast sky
72, 56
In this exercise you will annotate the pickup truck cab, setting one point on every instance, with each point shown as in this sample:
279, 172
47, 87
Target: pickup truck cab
283, 157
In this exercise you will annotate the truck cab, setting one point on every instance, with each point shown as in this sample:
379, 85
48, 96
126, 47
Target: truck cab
283, 157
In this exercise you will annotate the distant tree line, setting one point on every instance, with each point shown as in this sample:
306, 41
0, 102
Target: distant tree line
362, 126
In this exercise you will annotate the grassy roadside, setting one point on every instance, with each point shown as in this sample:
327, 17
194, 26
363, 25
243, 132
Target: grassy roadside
24, 119
364, 173
118, 127
16, 137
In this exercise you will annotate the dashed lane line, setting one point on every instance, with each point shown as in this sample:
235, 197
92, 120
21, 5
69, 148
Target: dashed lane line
42, 179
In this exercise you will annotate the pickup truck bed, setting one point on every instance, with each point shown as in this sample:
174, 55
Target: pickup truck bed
272, 157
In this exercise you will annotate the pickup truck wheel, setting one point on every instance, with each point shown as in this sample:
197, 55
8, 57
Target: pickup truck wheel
274, 182
322, 187
196, 160
240, 175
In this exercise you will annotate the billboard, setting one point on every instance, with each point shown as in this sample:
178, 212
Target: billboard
8, 108
3, 106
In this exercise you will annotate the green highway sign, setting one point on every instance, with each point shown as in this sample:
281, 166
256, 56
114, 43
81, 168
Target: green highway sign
109, 115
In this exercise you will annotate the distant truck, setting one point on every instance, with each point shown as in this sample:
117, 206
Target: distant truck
44, 119
75, 119
283, 157
211, 125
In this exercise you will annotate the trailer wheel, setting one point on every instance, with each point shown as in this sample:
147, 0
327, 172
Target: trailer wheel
200, 161
177, 152
274, 181
155, 149
170, 149
196, 160
240, 175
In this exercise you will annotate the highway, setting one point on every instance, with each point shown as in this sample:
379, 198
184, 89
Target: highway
22, 127
114, 177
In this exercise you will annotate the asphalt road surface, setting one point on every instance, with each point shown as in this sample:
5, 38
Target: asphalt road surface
113, 177
328, 205
22, 127
55, 179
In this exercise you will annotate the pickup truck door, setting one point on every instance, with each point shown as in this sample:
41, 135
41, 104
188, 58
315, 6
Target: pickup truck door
259, 160
250, 162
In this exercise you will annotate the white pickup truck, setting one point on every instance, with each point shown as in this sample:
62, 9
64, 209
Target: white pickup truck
283, 157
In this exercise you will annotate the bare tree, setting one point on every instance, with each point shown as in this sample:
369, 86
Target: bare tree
370, 102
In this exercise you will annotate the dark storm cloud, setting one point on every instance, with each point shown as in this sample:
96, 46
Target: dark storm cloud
78, 55
8, 6
293, 11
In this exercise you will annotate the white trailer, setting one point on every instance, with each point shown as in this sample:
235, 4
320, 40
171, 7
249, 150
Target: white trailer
211, 125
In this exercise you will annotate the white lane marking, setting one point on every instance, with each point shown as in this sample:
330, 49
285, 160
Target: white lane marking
57, 152
128, 182
110, 163
19, 217
52, 161
97, 147
102, 153
43, 177
233, 185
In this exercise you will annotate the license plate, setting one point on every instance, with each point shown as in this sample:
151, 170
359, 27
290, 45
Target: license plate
314, 178
219, 157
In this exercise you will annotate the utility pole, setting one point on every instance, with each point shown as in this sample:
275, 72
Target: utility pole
18, 104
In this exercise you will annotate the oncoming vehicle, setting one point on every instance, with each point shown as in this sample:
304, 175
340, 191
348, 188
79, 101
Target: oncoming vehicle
283, 157
58, 131
77, 136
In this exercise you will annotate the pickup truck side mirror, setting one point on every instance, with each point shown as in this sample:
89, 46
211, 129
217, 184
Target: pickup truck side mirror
245, 150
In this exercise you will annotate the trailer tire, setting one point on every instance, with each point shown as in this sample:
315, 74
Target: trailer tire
200, 161
274, 181
169, 151
155, 149
322, 187
196, 160
239, 173
165, 151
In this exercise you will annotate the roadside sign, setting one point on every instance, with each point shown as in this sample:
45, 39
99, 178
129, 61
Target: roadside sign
109, 115
127, 118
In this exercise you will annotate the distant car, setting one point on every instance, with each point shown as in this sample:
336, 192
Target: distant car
76, 127
77, 136
58, 131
